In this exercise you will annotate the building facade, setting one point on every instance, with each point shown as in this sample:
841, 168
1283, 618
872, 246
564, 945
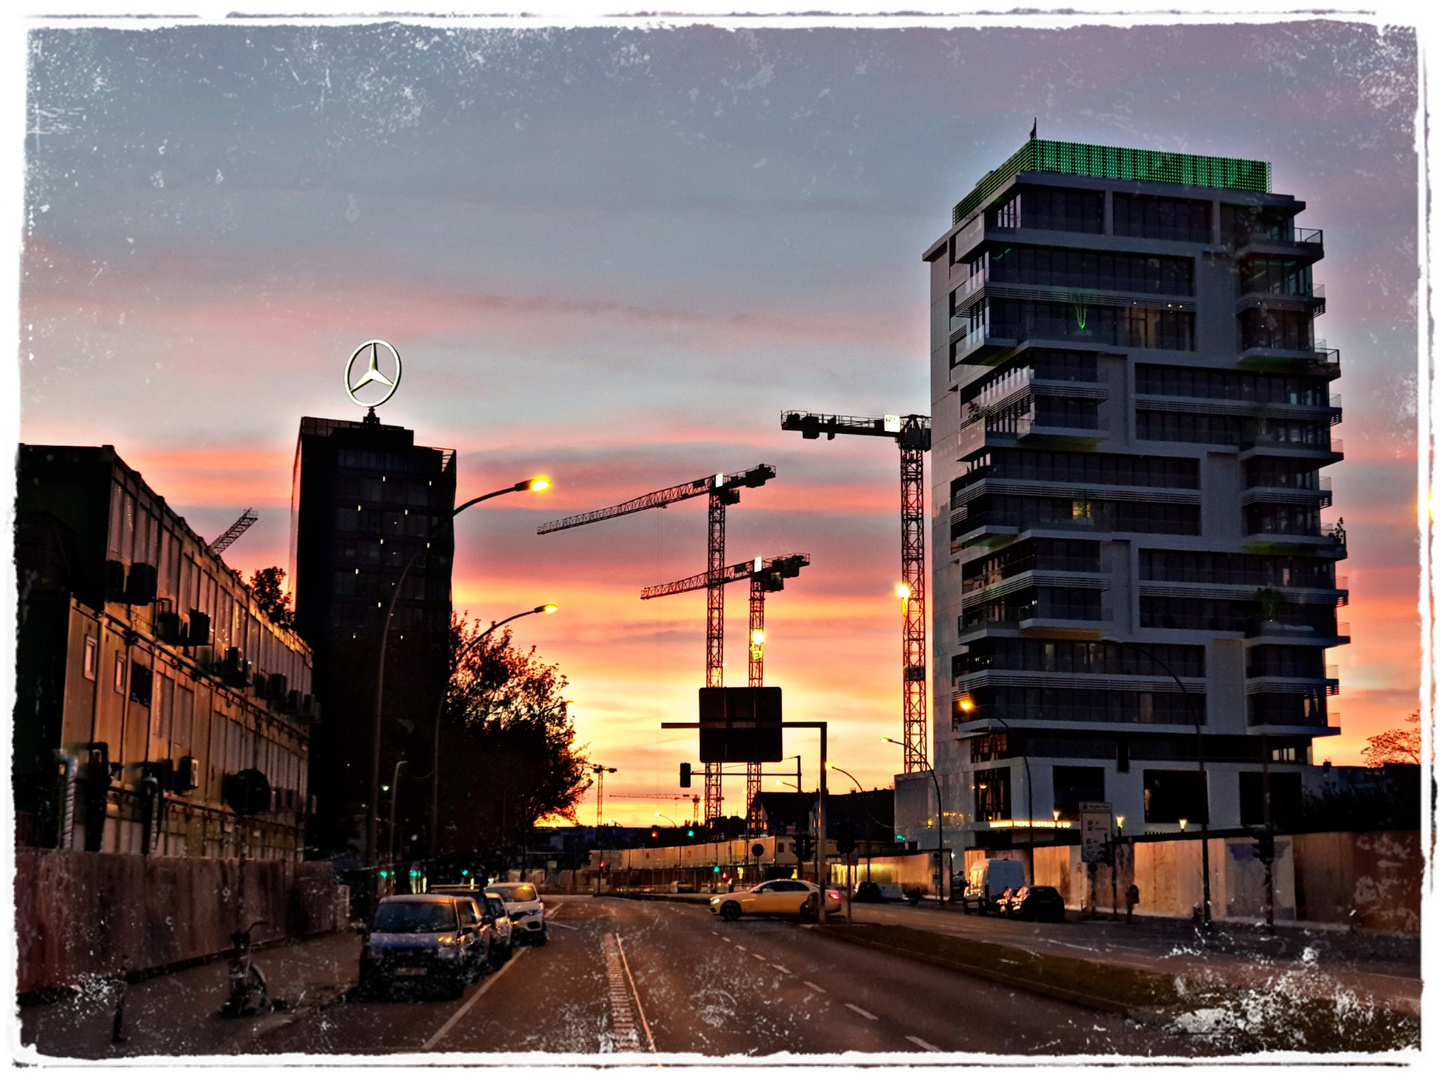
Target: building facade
365, 498
1133, 587
148, 678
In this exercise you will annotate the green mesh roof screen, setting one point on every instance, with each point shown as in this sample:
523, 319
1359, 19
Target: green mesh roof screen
1119, 163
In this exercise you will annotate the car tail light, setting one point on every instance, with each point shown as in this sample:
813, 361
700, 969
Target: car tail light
834, 896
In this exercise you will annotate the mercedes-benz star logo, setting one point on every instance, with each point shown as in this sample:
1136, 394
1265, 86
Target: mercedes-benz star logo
372, 374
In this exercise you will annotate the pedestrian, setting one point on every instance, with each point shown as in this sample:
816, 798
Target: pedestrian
1132, 897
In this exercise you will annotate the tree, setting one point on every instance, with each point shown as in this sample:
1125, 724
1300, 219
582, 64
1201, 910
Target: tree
1396, 746
268, 587
508, 755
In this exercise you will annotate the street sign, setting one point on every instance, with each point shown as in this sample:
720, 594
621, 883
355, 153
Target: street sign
740, 723
757, 850
1095, 832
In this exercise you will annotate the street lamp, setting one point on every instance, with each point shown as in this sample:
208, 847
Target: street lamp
967, 706
543, 609
394, 790
537, 483
939, 807
668, 818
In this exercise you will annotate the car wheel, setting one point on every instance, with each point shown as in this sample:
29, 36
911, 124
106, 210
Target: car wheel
543, 938
454, 987
730, 911
810, 909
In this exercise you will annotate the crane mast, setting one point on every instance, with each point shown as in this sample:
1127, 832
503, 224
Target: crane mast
765, 575
723, 490
247, 518
912, 434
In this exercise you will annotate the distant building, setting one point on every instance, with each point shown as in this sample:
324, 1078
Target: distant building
1131, 412
365, 498
147, 677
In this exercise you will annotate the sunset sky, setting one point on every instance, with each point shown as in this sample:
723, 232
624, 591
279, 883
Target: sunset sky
612, 256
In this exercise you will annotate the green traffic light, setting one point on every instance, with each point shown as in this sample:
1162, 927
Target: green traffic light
384, 873
717, 869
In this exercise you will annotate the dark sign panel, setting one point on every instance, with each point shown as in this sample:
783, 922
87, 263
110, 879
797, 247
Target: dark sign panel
740, 723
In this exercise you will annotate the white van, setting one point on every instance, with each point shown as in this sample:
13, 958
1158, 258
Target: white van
987, 880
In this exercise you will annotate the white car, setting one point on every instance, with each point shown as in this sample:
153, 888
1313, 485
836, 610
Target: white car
525, 908
786, 896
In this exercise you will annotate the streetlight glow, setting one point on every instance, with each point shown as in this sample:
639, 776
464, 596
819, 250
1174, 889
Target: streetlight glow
902, 591
539, 483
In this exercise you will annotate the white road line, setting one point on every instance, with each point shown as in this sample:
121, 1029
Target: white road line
722, 937
635, 994
757, 956
455, 1018
566, 925
777, 967
862, 1012
622, 1021
714, 933
812, 986
922, 1044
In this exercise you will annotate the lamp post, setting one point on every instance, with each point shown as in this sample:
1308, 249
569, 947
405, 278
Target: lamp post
1114, 864
939, 812
534, 484
668, 818
967, 706
543, 609
394, 790
1197, 718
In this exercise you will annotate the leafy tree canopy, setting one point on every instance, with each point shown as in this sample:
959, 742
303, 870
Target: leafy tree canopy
508, 756
1396, 746
268, 586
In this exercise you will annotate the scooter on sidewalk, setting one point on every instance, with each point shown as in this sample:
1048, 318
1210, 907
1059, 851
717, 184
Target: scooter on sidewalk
248, 994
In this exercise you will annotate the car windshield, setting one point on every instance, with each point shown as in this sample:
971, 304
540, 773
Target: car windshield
411, 918
516, 894
495, 904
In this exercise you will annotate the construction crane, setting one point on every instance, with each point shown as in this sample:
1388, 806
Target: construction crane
723, 490
912, 434
229, 536
764, 575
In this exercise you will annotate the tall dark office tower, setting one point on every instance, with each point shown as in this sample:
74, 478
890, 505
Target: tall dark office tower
365, 497
1130, 415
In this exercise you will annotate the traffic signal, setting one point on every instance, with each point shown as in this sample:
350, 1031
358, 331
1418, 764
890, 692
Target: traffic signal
685, 774
654, 833
845, 837
690, 832
715, 869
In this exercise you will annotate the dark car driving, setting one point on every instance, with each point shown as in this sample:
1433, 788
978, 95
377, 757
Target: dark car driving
423, 939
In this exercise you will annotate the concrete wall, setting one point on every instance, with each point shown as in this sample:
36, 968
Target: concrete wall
81, 915
1375, 874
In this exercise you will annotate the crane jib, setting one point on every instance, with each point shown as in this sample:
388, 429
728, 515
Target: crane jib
719, 482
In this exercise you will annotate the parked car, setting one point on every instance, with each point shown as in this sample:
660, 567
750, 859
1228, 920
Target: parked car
525, 908
867, 892
500, 926
420, 939
987, 881
786, 896
1041, 903
472, 918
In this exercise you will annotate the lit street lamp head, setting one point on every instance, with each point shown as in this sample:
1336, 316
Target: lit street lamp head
538, 483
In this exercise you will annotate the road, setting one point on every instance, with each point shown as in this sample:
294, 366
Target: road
624, 976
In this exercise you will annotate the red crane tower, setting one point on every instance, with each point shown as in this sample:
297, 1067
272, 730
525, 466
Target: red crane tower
723, 490
912, 434
765, 575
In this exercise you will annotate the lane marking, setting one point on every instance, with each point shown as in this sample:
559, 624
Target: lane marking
455, 1017
716, 933
757, 956
786, 970
812, 986
566, 925
922, 1044
862, 1012
634, 993
721, 936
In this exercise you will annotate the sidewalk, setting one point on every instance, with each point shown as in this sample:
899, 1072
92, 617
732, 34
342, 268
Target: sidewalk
179, 1012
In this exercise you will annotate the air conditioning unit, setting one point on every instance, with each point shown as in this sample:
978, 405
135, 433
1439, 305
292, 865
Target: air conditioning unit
235, 670
114, 579
199, 628
187, 775
141, 583
171, 628
279, 686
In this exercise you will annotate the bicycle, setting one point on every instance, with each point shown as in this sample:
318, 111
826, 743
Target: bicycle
248, 994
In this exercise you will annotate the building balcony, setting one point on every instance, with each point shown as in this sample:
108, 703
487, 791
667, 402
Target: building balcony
1313, 302
1274, 633
1305, 243
1320, 496
1325, 452
1320, 360
1285, 684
